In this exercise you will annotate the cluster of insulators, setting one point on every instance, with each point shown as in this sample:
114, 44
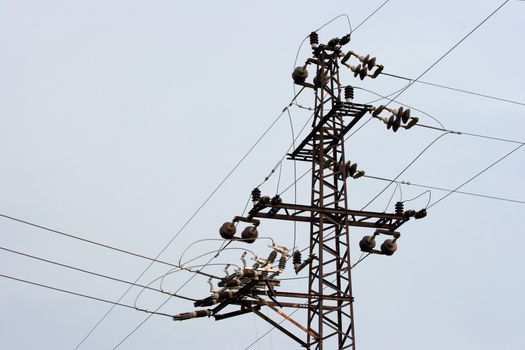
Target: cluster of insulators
333, 44
365, 68
248, 235
348, 169
398, 118
368, 243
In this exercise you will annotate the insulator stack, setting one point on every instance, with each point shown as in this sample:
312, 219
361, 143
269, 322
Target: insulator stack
227, 230
297, 258
314, 40
249, 234
400, 208
194, 314
256, 194
349, 93
272, 257
282, 263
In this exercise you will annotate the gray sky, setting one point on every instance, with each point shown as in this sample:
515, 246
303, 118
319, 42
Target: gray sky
119, 118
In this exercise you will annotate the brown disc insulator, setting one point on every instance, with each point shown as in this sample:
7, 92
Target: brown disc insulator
249, 234
227, 230
367, 243
299, 75
388, 247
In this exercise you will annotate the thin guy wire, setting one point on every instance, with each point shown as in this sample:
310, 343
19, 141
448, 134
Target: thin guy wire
189, 220
405, 169
408, 183
456, 89
456, 132
472, 134
80, 295
451, 49
295, 179
475, 176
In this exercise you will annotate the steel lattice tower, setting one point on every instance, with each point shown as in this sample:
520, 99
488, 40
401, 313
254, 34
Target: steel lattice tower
329, 300
329, 235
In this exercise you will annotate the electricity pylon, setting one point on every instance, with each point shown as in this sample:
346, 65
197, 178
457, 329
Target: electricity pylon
329, 299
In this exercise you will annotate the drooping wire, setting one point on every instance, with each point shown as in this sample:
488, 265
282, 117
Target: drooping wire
419, 195
476, 175
158, 308
405, 169
410, 83
190, 219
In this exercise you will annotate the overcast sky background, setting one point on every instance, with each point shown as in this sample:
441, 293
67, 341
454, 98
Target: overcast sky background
119, 118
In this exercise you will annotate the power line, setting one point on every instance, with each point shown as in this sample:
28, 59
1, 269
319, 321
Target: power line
405, 169
371, 15
159, 307
62, 233
475, 176
451, 49
471, 134
409, 183
87, 271
221, 183
421, 75
456, 89
82, 295
442, 128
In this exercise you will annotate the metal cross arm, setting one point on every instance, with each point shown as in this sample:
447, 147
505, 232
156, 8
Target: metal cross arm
304, 213
356, 111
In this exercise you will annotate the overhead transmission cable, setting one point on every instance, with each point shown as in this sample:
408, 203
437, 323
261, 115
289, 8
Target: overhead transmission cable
82, 295
411, 82
476, 175
298, 179
442, 128
221, 183
62, 233
421, 75
86, 271
456, 89
401, 92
